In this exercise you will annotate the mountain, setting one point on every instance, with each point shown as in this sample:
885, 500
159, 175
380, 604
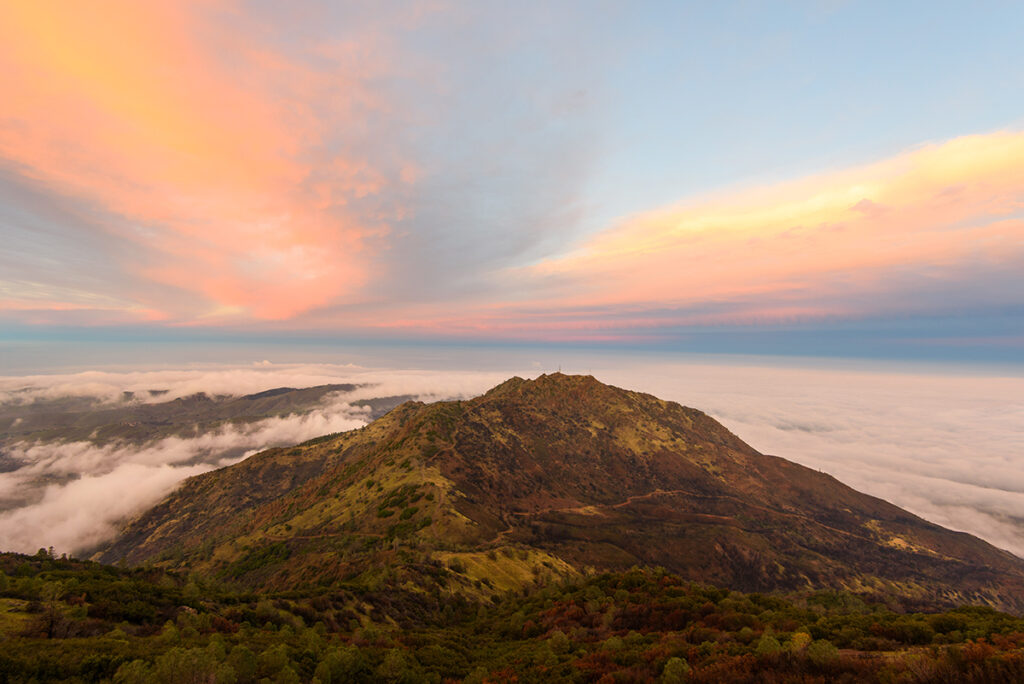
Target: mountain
555, 476
132, 420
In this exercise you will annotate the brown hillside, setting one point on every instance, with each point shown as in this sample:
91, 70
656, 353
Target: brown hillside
574, 474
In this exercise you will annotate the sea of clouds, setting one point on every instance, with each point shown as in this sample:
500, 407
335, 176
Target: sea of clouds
73, 495
948, 446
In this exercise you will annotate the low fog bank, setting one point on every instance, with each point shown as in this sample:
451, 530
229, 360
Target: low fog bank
948, 447
73, 495
154, 386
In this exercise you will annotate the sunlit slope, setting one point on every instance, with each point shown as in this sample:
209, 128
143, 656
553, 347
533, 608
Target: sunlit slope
556, 475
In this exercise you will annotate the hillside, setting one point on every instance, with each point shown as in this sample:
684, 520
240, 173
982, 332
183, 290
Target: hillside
555, 476
73, 621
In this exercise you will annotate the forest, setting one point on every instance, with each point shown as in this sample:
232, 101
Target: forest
70, 620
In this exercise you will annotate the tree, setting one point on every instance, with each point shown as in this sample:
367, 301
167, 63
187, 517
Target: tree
559, 642
135, 672
187, 666
799, 641
243, 661
768, 645
52, 623
675, 672
822, 652
394, 668
274, 659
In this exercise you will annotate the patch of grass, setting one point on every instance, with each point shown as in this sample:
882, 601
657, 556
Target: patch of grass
13, 616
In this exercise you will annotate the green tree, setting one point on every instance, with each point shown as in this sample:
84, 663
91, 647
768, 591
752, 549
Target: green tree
185, 666
322, 673
545, 657
768, 645
613, 644
344, 663
273, 660
559, 642
477, 676
169, 634
822, 652
395, 667
53, 623
243, 661
675, 672
286, 675
216, 648
134, 672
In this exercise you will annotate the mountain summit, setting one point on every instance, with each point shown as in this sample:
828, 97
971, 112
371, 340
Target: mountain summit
557, 475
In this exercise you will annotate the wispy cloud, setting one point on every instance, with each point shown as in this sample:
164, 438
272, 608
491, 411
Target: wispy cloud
249, 164
418, 168
216, 155
937, 230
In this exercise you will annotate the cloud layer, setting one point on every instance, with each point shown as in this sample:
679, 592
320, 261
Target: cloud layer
62, 493
110, 386
946, 446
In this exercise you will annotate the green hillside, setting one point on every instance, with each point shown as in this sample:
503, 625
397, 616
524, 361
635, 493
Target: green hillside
74, 621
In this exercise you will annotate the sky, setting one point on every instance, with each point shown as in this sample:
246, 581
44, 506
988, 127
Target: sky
819, 178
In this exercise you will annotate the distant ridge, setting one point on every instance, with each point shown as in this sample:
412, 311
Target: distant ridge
84, 419
557, 475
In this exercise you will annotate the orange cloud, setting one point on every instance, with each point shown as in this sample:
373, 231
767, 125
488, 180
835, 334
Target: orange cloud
934, 208
199, 143
870, 240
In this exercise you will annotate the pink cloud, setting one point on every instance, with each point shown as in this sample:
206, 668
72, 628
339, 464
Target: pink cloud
862, 241
936, 207
250, 181
201, 144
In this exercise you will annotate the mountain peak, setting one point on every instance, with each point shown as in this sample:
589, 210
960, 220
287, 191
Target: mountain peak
553, 390
545, 381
